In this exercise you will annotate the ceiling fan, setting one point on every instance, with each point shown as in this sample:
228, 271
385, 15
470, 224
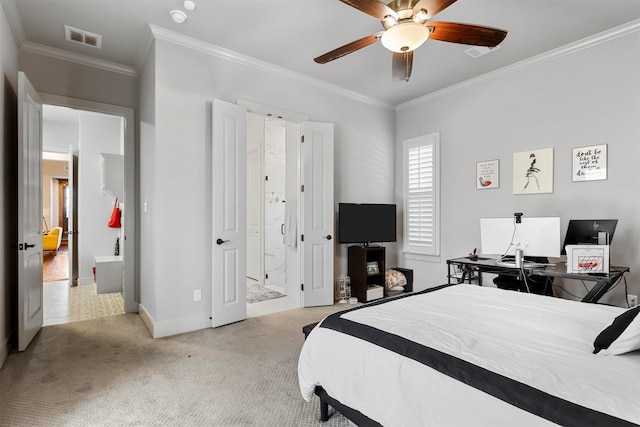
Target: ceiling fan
407, 26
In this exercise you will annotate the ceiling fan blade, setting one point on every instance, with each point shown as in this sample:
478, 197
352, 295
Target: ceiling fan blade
374, 8
432, 7
348, 48
401, 65
466, 33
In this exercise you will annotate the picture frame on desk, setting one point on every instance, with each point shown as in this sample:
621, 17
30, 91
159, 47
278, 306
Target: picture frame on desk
373, 268
588, 259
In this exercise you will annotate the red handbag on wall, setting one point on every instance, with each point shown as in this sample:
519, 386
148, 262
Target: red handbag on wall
114, 221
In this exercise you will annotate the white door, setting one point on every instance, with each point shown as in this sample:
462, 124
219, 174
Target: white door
317, 213
72, 222
229, 200
29, 212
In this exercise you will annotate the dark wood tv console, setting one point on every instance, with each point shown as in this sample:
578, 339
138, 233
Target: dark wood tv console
364, 278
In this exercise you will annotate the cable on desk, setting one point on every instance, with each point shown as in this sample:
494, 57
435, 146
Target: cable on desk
524, 279
566, 291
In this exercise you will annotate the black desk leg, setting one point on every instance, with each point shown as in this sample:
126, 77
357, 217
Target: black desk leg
599, 289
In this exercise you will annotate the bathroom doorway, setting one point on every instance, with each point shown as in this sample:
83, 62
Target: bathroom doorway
272, 206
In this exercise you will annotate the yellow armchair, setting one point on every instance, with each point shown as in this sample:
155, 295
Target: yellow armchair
51, 241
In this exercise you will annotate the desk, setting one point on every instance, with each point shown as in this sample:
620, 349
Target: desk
602, 282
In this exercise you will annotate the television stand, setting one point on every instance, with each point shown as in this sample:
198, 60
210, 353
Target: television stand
366, 270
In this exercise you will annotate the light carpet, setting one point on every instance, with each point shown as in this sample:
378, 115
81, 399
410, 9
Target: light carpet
110, 372
257, 293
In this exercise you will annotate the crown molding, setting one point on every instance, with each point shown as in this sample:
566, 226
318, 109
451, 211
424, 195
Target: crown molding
11, 10
586, 43
65, 55
229, 55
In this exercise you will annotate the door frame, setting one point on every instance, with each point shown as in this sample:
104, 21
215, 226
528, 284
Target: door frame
131, 213
292, 119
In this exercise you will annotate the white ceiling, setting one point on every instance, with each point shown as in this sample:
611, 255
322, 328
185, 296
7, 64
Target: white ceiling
290, 33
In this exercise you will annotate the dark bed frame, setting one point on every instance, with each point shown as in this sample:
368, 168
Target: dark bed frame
353, 415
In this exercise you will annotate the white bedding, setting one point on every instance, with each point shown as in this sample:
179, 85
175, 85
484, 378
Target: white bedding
541, 341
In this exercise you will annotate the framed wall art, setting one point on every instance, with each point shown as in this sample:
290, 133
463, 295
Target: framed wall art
487, 174
589, 163
587, 258
533, 171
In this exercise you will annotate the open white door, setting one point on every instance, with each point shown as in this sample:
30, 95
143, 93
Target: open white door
317, 214
229, 204
72, 209
29, 212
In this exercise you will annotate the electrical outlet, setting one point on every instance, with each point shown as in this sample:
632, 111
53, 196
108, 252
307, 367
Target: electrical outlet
632, 300
197, 294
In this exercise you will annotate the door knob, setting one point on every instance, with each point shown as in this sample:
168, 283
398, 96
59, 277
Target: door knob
220, 241
328, 237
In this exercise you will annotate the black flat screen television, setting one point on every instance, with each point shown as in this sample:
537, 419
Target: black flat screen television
585, 231
366, 223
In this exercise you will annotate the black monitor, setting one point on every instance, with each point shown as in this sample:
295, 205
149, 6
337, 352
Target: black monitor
585, 231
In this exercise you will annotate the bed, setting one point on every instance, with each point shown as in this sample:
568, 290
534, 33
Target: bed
465, 355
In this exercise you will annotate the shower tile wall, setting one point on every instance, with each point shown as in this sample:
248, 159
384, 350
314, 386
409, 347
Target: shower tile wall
274, 248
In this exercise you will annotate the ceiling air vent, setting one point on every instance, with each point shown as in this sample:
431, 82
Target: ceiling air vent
83, 37
478, 51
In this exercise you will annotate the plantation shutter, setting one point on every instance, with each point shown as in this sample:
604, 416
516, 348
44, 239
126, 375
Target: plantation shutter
421, 196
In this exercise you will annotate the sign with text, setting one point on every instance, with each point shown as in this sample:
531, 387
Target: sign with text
590, 163
488, 174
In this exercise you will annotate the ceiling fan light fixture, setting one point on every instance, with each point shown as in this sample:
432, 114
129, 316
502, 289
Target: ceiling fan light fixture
405, 37
420, 17
389, 21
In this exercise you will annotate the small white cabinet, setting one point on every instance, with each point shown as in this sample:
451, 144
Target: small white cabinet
109, 270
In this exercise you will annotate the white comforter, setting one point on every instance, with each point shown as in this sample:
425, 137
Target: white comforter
541, 341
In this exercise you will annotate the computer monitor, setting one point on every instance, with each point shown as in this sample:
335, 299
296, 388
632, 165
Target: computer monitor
537, 237
585, 231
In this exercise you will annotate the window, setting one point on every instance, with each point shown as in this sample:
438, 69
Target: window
421, 195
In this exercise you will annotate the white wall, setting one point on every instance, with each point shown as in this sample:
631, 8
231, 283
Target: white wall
99, 133
8, 191
587, 97
186, 82
149, 238
59, 77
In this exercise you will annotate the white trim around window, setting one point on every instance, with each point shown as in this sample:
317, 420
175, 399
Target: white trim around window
421, 165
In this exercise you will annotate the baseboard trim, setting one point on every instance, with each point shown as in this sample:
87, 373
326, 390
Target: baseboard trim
174, 326
84, 281
146, 318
